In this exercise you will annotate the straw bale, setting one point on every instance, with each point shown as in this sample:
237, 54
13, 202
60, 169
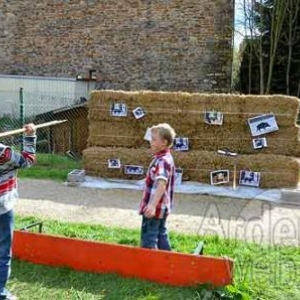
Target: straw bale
285, 141
122, 137
182, 122
185, 113
96, 161
169, 104
276, 170
125, 135
115, 134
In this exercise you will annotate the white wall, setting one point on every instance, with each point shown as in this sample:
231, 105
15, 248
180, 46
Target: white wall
40, 94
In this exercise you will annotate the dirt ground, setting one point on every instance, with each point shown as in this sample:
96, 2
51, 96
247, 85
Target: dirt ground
252, 220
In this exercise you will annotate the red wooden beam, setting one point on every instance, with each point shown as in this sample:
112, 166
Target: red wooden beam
164, 267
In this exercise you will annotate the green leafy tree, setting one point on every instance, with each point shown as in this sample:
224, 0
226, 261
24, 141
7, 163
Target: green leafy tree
275, 66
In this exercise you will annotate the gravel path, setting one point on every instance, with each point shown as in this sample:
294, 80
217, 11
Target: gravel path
196, 214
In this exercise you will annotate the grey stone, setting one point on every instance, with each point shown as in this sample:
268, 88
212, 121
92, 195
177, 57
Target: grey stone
76, 175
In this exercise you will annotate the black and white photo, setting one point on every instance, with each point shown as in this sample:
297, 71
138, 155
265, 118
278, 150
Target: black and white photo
118, 110
213, 117
114, 163
219, 177
249, 178
181, 144
133, 170
259, 143
178, 176
138, 113
262, 124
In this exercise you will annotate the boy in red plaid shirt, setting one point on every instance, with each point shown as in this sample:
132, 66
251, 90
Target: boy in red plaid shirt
159, 190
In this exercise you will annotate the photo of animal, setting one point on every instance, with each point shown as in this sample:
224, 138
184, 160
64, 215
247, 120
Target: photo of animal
134, 170
213, 117
181, 144
249, 178
138, 113
259, 143
262, 124
118, 110
114, 163
219, 177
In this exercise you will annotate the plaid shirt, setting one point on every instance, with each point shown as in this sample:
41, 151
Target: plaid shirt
161, 167
10, 162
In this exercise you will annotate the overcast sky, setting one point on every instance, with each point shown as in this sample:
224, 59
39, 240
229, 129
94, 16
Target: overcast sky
238, 19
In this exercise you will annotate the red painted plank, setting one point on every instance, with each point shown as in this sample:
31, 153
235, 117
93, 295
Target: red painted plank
154, 265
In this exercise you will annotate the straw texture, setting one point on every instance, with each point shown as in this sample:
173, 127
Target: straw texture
122, 137
276, 170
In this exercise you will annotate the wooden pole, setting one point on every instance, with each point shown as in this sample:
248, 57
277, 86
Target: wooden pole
234, 176
21, 130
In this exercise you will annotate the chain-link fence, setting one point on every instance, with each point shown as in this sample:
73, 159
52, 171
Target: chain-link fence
39, 100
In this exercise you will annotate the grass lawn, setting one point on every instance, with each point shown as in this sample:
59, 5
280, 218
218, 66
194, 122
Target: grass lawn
49, 166
38, 282
261, 272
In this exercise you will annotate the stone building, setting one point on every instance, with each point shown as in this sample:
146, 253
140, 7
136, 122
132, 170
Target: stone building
133, 44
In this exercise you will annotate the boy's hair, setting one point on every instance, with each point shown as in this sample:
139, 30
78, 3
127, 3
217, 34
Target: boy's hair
166, 132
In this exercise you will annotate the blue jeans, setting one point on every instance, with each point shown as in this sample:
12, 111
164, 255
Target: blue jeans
154, 234
6, 235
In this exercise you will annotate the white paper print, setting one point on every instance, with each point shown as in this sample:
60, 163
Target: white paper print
262, 124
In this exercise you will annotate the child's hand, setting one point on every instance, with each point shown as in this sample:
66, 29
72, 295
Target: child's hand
149, 211
29, 129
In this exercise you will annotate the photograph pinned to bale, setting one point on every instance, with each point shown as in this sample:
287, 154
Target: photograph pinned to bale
178, 176
219, 177
118, 110
249, 178
133, 170
213, 117
148, 136
138, 113
114, 163
259, 143
262, 124
181, 144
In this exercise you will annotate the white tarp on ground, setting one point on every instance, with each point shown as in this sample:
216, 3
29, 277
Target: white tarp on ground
243, 192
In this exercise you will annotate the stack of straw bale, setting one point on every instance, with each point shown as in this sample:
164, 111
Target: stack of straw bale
276, 170
122, 137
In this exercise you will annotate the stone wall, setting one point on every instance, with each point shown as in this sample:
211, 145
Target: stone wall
135, 44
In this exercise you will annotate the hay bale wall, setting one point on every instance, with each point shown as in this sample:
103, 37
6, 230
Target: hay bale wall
185, 112
276, 170
122, 137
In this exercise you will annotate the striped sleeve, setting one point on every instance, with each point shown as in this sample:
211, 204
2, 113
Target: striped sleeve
163, 170
29, 144
26, 158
